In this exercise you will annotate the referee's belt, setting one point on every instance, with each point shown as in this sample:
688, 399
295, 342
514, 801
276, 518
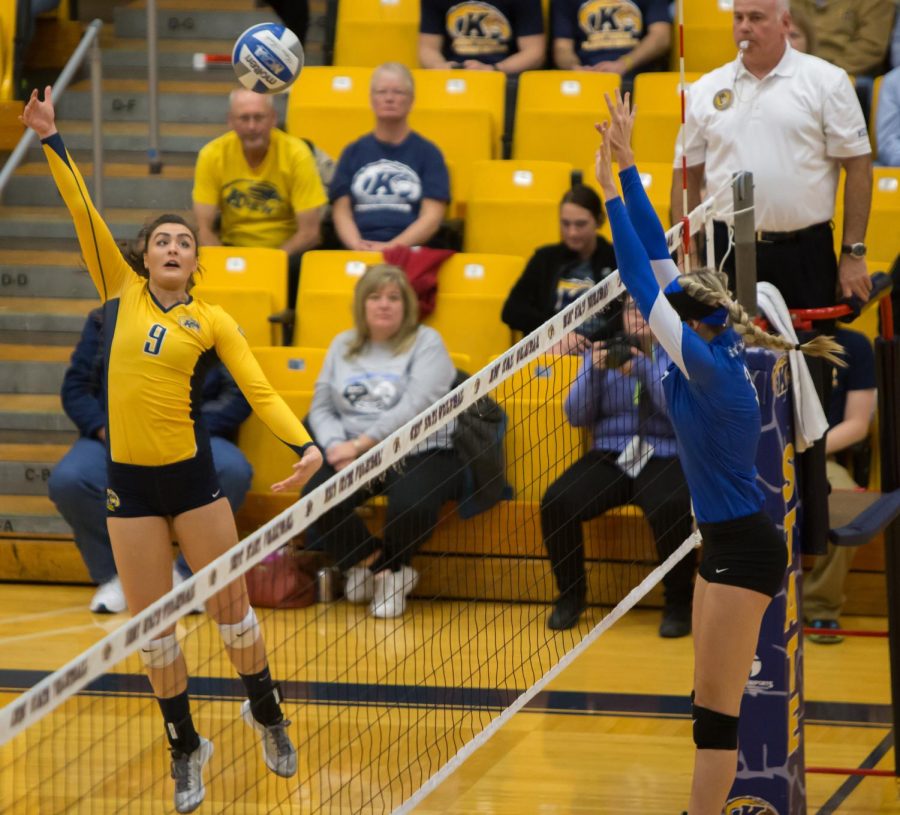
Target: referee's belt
763, 236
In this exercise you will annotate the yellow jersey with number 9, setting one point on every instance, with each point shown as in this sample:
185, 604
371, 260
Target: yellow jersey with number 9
157, 358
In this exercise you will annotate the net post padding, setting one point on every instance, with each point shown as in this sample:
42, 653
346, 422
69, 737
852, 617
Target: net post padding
53, 690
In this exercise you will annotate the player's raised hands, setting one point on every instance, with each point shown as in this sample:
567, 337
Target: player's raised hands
40, 116
621, 115
303, 471
603, 164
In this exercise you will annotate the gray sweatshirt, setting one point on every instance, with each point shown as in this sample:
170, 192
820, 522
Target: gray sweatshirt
376, 391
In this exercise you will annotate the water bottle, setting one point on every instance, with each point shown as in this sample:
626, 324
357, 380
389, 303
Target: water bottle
326, 582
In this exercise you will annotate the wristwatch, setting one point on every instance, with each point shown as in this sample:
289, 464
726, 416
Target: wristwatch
858, 250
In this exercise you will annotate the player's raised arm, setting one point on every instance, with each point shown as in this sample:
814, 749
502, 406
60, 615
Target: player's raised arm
107, 267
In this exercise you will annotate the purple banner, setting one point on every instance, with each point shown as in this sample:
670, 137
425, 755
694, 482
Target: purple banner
770, 776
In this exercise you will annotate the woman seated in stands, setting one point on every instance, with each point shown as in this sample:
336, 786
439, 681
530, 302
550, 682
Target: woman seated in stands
618, 392
561, 272
375, 378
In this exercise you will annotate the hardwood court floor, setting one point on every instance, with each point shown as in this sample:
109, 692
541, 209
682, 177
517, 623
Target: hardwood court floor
610, 735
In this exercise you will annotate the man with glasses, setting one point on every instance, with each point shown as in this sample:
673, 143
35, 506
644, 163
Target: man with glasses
391, 187
258, 186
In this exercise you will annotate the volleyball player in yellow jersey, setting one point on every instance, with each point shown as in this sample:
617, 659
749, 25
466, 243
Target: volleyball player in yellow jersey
159, 342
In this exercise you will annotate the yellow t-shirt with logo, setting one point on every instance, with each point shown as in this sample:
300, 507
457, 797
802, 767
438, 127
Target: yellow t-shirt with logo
156, 356
258, 205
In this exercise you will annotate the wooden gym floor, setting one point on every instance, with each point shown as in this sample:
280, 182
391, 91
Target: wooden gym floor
610, 735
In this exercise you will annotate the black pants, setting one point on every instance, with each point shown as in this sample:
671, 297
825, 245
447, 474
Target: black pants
804, 269
593, 485
415, 496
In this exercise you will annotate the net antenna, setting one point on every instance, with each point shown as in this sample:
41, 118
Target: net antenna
685, 217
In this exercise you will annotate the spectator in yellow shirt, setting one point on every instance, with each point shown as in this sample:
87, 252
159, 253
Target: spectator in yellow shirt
258, 186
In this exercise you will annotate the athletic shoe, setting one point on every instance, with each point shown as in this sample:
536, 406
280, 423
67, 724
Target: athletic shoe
391, 589
177, 579
824, 626
676, 622
566, 612
359, 584
279, 753
187, 770
109, 598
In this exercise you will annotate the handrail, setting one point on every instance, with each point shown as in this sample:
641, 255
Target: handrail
89, 42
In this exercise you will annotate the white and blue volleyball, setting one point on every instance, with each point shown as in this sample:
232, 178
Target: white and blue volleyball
267, 58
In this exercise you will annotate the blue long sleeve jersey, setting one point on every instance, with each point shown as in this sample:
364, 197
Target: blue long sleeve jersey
712, 401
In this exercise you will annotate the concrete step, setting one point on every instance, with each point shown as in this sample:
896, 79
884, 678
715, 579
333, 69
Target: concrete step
124, 185
32, 273
30, 515
30, 418
32, 369
125, 100
123, 52
25, 470
196, 19
184, 138
55, 222
43, 320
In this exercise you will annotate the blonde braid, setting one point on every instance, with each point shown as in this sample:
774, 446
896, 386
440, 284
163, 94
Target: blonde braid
709, 287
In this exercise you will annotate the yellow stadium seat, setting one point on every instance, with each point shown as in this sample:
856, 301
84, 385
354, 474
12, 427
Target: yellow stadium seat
271, 458
657, 180
249, 307
556, 112
883, 234
658, 98
471, 325
463, 136
7, 47
707, 47
514, 206
335, 270
330, 106
370, 32
243, 267
873, 113
291, 368
322, 316
475, 275
533, 399
715, 13
464, 90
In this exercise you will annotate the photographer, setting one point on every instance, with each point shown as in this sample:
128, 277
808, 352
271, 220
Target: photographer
618, 393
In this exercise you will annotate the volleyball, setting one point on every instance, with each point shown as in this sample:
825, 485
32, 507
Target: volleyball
267, 58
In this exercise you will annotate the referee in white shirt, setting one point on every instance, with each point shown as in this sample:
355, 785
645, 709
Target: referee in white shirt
793, 120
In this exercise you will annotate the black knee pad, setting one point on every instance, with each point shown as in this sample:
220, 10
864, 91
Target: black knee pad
713, 730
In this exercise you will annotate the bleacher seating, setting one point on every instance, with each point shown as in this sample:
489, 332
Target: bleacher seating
657, 180
291, 368
556, 112
245, 267
330, 106
448, 90
514, 206
7, 47
883, 234
249, 307
369, 33
658, 98
708, 38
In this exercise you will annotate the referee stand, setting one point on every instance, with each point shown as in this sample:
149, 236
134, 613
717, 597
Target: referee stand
771, 765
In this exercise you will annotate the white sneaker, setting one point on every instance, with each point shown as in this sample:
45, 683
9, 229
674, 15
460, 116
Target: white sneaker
279, 753
359, 584
391, 589
177, 580
109, 598
187, 770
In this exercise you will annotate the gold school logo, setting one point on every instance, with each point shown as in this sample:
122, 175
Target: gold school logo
610, 24
478, 28
749, 805
189, 322
781, 376
112, 500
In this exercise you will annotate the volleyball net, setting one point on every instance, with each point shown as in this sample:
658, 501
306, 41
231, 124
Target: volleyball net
381, 709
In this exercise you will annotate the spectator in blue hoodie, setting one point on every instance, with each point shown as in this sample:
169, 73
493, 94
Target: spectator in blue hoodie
618, 393
78, 482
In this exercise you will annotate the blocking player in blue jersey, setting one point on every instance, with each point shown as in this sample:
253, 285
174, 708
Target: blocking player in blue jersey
714, 409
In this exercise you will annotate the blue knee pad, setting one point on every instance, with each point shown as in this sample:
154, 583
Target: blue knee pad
714, 730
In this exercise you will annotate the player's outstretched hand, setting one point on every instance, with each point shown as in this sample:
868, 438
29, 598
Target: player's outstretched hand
40, 116
621, 115
603, 164
303, 471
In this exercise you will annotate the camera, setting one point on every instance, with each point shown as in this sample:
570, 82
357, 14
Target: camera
618, 352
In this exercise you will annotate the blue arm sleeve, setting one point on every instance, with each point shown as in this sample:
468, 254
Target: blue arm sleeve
643, 216
634, 264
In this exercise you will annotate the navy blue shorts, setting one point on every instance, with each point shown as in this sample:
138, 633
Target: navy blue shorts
138, 492
749, 552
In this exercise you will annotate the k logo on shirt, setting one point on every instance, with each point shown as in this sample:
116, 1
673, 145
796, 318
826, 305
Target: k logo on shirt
386, 184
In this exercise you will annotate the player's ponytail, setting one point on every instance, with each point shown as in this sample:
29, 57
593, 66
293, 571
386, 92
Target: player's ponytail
709, 287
